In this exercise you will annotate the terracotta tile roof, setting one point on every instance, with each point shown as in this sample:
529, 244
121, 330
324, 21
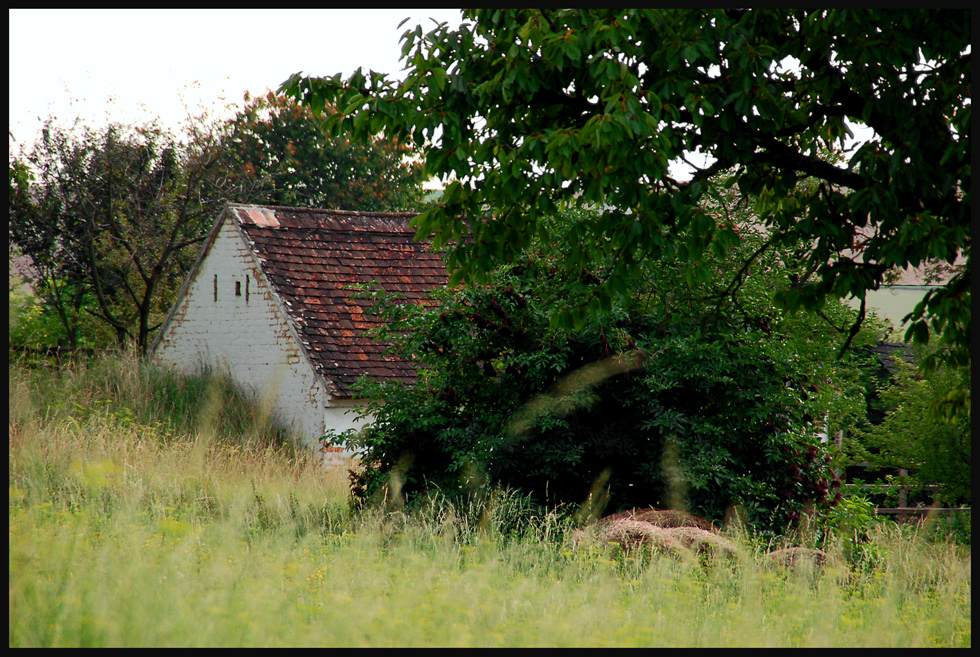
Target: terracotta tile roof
310, 256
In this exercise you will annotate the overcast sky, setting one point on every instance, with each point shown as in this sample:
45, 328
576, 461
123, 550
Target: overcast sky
136, 64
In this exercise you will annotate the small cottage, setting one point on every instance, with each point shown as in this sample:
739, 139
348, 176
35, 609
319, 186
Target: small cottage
268, 302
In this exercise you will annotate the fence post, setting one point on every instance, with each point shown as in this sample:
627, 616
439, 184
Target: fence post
903, 495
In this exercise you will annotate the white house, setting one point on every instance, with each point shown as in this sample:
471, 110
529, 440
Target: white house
266, 302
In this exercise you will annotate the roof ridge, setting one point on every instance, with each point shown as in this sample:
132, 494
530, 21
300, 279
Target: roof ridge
346, 213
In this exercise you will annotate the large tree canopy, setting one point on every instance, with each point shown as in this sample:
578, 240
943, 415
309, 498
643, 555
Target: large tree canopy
524, 110
294, 161
112, 217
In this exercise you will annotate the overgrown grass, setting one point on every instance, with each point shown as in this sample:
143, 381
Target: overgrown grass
149, 511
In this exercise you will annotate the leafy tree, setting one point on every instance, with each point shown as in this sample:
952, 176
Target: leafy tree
59, 281
110, 217
290, 154
908, 438
35, 326
525, 109
685, 392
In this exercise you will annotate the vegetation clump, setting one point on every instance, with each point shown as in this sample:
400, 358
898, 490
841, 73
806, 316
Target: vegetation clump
690, 395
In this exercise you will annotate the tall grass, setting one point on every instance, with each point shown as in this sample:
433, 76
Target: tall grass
147, 510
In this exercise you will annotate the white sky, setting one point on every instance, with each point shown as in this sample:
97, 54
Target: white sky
137, 64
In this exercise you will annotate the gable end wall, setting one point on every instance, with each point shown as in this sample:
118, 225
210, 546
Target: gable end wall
249, 336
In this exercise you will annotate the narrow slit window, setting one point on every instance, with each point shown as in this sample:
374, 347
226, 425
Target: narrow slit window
238, 288
246, 289
216, 287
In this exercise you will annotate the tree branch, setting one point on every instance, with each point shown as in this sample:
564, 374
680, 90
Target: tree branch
855, 328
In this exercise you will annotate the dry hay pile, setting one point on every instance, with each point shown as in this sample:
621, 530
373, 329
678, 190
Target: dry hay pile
663, 518
674, 533
680, 534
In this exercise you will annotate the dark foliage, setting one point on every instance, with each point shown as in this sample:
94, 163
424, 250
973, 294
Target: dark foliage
685, 397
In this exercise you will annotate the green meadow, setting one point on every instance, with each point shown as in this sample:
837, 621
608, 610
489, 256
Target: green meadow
149, 510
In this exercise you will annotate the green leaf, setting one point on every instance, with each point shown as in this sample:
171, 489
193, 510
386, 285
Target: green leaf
919, 332
455, 278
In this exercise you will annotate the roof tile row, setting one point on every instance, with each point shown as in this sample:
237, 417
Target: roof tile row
311, 256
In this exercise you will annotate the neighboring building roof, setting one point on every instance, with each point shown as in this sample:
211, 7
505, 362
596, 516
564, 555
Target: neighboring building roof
886, 353
310, 256
936, 273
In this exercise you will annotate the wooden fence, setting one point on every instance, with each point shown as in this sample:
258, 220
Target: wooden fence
902, 512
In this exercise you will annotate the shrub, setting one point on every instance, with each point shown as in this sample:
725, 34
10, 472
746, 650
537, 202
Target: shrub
687, 396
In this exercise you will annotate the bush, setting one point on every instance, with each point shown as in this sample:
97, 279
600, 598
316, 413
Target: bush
688, 396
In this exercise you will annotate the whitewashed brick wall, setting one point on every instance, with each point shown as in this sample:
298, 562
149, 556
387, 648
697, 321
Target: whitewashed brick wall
248, 335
